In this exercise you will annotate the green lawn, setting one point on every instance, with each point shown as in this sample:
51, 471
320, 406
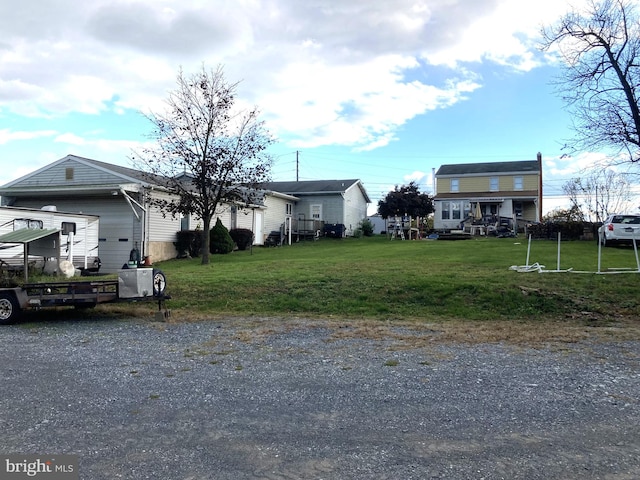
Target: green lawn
375, 278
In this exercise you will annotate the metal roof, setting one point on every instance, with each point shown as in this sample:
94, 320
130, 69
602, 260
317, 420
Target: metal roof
27, 235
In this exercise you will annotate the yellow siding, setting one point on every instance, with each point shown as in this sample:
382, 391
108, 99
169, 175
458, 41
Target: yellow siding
482, 184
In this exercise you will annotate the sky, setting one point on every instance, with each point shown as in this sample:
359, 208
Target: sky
385, 91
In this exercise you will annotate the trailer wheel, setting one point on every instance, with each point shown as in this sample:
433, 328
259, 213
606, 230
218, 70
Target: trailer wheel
159, 283
9, 309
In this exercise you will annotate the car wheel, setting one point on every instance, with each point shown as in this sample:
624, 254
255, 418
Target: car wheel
9, 309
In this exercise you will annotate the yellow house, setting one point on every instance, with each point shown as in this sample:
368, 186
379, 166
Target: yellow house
486, 193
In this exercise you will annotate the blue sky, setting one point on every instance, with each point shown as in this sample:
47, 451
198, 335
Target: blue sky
384, 91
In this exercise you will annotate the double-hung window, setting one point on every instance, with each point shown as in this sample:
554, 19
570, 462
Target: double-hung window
518, 183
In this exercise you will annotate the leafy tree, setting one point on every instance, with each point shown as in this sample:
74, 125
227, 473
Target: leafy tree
600, 49
598, 194
405, 200
207, 153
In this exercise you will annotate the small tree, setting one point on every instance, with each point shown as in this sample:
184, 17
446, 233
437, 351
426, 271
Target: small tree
406, 200
206, 153
221, 241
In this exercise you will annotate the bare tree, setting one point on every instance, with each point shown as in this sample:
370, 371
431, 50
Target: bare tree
598, 194
600, 49
206, 153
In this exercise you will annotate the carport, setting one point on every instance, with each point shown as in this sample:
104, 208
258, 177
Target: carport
37, 242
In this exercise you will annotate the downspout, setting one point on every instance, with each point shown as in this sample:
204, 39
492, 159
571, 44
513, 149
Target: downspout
131, 201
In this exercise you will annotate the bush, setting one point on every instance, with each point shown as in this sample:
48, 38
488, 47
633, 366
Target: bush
221, 241
243, 237
367, 227
189, 243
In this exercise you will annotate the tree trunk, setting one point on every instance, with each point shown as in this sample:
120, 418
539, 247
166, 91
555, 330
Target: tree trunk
206, 247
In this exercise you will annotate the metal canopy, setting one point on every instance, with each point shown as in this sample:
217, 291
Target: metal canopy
27, 236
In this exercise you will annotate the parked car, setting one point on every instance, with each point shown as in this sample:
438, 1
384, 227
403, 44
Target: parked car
619, 229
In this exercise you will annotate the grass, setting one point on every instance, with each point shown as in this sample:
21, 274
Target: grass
374, 278
408, 293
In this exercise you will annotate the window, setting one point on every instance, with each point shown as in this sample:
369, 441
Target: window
68, 173
316, 212
518, 208
20, 223
455, 185
494, 184
446, 215
68, 227
466, 210
517, 183
234, 217
455, 210
289, 209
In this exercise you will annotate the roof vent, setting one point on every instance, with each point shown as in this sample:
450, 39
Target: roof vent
49, 208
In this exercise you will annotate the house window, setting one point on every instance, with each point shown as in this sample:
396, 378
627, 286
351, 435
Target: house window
68, 173
518, 208
234, 217
493, 184
316, 212
455, 185
455, 210
466, 210
517, 183
446, 213
68, 227
289, 209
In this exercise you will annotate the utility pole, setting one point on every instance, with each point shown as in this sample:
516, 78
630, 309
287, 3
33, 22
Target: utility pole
297, 166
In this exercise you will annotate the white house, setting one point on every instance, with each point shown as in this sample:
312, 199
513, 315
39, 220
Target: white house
129, 223
119, 196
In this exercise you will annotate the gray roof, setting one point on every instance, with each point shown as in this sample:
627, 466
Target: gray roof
315, 187
526, 166
140, 175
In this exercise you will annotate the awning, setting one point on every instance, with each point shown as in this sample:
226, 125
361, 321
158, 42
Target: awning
27, 235
45, 242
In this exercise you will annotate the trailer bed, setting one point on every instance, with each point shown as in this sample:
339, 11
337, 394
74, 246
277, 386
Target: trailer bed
71, 293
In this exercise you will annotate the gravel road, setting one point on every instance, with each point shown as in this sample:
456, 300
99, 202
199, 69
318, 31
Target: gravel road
270, 399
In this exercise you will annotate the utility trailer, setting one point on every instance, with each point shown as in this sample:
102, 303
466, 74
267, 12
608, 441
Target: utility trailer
135, 284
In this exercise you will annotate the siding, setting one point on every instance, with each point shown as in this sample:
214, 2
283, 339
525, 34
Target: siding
482, 183
355, 208
275, 213
56, 174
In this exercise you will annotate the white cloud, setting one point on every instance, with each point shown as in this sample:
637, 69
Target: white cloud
7, 135
323, 72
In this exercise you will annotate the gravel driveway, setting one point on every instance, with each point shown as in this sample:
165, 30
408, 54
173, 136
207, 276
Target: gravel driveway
269, 399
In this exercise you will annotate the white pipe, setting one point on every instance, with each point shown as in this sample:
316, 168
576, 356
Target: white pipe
635, 248
559, 236
599, 249
528, 250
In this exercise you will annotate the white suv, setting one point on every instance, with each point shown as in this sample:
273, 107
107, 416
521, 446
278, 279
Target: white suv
620, 229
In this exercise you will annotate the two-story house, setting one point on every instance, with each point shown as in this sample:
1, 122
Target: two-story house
486, 192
